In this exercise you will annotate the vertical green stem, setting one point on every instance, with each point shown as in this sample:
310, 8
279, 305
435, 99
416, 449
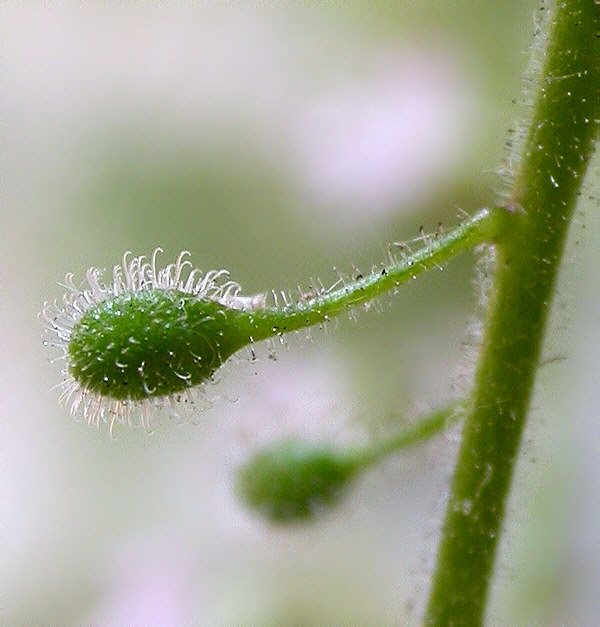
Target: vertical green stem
555, 154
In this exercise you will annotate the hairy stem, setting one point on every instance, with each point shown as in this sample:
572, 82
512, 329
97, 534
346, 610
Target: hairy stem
317, 309
560, 140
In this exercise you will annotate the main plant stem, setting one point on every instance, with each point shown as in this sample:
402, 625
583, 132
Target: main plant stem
555, 154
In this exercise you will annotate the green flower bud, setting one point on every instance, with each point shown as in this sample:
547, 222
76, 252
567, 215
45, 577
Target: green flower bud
151, 337
133, 346
148, 337
293, 481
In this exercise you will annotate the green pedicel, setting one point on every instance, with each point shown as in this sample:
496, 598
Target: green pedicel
153, 341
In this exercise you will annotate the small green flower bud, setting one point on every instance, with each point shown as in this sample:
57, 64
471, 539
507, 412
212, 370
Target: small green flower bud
148, 337
293, 480
133, 346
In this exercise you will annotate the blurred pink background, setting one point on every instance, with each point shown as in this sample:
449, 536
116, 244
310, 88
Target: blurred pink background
276, 143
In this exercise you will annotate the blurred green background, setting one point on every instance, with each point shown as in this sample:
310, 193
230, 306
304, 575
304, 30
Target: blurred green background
276, 143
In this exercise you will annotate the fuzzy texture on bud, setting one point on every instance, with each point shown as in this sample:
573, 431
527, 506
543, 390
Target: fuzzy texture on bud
153, 343
146, 338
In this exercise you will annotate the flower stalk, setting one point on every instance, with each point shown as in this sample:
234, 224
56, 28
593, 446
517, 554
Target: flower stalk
151, 337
